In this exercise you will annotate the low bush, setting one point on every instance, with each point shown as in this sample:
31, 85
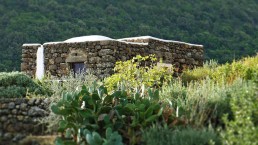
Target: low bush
137, 73
246, 68
199, 103
58, 86
205, 101
92, 111
243, 128
16, 84
180, 136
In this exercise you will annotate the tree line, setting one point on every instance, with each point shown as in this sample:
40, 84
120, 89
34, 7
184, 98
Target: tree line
227, 29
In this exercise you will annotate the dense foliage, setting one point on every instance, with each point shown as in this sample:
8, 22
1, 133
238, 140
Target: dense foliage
92, 112
15, 84
68, 83
227, 29
138, 73
205, 110
244, 104
246, 68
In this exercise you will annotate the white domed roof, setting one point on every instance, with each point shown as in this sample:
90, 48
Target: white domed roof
88, 38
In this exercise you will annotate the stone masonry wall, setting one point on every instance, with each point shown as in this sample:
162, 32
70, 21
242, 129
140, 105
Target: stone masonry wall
100, 56
19, 117
29, 54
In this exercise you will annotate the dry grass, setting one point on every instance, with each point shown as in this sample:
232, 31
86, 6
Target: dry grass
38, 140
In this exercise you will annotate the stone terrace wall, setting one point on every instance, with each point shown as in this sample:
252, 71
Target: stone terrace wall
18, 118
100, 56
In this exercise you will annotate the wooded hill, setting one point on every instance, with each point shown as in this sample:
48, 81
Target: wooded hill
227, 29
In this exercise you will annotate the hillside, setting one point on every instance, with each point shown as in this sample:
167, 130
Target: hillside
227, 29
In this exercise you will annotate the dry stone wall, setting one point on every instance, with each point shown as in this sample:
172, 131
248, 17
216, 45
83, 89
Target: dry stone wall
29, 54
19, 117
100, 56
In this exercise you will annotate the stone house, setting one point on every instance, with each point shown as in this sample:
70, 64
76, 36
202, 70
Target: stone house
99, 53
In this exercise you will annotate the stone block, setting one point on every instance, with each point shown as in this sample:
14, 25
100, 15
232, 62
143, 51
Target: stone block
25, 55
38, 101
51, 61
59, 60
24, 66
98, 47
11, 105
104, 52
23, 106
63, 66
31, 101
189, 54
36, 111
3, 118
108, 58
105, 65
20, 117
105, 42
94, 60
4, 106
14, 111
92, 54
181, 60
52, 67
63, 55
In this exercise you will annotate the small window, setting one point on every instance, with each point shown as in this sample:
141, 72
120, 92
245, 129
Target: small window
78, 67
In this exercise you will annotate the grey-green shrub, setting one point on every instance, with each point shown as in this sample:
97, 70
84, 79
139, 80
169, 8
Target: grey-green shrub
204, 101
58, 86
198, 102
183, 136
16, 84
243, 129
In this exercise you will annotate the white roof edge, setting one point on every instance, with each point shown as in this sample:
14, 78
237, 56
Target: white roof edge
53, 42
131, 42
31, 44
150, 37
139, 37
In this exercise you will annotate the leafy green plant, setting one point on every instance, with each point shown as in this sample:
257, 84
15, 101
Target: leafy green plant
243, 129
138, 72
95, 110
111, 138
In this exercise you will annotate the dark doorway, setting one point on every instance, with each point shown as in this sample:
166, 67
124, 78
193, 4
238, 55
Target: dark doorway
78, 67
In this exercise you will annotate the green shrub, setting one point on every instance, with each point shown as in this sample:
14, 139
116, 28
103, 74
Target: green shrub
243, 129
94, 110
58, 86
15, 84
138, 72
246, 68
199, 73
199, 103
205, 101
180, 136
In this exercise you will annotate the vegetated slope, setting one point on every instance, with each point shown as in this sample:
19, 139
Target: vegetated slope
218, 108
227, 29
